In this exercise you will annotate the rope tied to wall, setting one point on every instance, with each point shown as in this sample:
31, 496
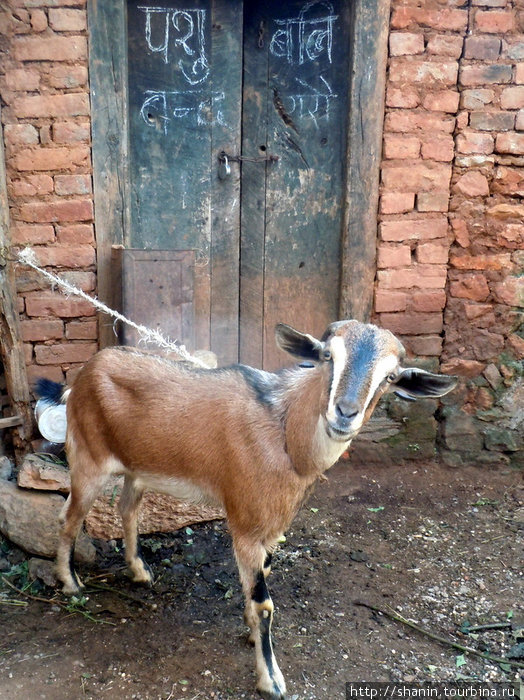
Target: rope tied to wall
147, 335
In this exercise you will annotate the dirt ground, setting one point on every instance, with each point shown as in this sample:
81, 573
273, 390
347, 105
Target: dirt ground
441, 547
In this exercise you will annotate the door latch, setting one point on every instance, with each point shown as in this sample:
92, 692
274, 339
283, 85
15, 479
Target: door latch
225, 160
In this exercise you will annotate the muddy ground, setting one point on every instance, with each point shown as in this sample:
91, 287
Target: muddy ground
442, 547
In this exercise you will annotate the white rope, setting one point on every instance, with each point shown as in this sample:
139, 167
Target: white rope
28, 257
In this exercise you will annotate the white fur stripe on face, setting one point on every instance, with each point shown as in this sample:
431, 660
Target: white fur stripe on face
384, 366
339, 356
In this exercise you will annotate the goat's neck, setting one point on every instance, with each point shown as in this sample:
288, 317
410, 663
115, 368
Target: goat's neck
307, 443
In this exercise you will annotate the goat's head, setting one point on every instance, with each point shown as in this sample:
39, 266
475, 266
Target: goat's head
362, 362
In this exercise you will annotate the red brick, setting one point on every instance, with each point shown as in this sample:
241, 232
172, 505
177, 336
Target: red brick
512, 97
510, 291
405, 97
417, 276
403, 43
56, 304
28, 352
71, 256
477, 98
394, 256
17, 134
67, 76
516, 344
473, 286
74, 104
38, 20
519, 121
445, 19
23, 235
499, 261
408, 120
428, 72
34, 372
474, 311
460, 229
486, 48
82, 330
494, 21
433, 201
472, 184
417, 177
414, 229
492, 121
50, 48
75, 234
464, 368
442, 101
401, 146
38, 329
445, 45
434, 300
397, 202
32, 185
57, 210
67, 20
509, 181
58, 158
82, 279
510, 143
473, 142
73, 184
432, 253
412, 323
21, 79
519, 73
441, 149
71, 132
64, 353
390, 301
512, 236
425, 345
478, 74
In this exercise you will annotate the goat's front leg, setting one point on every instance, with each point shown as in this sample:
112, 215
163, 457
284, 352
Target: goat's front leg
259, 616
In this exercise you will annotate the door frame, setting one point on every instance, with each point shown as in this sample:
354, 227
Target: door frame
367, 78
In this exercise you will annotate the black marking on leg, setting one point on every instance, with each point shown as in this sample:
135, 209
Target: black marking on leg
265, 637
72, 567
260, 592
267, 560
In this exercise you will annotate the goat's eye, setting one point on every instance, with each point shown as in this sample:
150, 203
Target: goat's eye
326, 355
391, 377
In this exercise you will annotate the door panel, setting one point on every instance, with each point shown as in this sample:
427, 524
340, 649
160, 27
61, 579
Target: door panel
295, 108
184, 79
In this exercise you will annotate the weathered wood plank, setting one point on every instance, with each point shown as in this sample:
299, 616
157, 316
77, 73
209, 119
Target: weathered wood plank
108, 81
368, 75
11, 346
226, 78
10, 422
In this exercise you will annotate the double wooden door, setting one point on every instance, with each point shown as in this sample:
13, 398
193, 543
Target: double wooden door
237, 123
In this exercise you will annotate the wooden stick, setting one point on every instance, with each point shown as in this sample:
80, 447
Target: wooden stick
443, 640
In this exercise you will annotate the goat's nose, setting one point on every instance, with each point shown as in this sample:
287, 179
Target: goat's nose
347, 409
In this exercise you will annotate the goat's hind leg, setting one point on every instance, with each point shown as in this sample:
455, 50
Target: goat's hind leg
85, 487
128, 505
253, 565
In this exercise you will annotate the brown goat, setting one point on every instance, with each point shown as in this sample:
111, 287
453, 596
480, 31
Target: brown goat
250, 440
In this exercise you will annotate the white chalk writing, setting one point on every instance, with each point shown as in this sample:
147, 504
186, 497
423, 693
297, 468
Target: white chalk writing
306, 37
160, 107
185, 29
312, 102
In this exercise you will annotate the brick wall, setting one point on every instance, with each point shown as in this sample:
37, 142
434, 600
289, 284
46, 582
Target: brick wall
450, 256
45, 115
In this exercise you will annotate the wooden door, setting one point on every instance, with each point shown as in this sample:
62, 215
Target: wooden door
296, 78
267, 85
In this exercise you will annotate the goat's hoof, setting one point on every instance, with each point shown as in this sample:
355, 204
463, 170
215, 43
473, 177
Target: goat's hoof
72, 588
275, 691
141, 573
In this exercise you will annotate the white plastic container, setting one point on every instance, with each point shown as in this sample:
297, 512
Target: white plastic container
51, 419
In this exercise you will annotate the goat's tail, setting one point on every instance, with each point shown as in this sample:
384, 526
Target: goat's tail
51, 392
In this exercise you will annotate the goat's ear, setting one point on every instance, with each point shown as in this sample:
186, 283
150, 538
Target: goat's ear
415, 383
298, 344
